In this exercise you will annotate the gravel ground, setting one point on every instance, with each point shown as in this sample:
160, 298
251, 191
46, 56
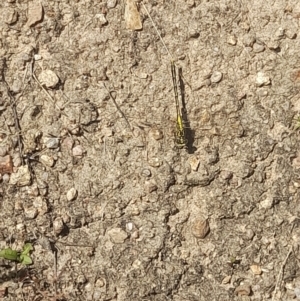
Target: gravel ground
90, 174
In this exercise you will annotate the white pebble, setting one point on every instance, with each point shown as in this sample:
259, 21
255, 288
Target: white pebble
48, 78
51, 142
194, 162
37, 57
111, 3
216, 77
77, 151
129, 226
266, 203
231, 40
102, 19
262, 79
71, 194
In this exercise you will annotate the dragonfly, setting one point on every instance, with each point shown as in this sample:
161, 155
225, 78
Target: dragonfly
180, 134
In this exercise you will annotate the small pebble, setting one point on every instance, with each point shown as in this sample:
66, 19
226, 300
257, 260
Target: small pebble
249, 234
135, 211
71, 194
100, 282
129, 226
291, 34
116, 48
20, 227
58, 226
226, 279
77, 151
273, 45
194, 33
142, 75
6, 165
154, 162
10, 16
194, 162
280, 33
51, 142
22, 177
132, 16
258, 48
248, 40
30, 212
200, 228
243, 290
67, 143
5, 177
35, 13
102, 19
146, 173
256, 269
216, 77
37, 57
262, 79
48, 78
117, 235
231, 40
47, 160
111, 3
135, 235
41, 205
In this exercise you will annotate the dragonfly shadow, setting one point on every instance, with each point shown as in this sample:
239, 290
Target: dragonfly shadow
189, 132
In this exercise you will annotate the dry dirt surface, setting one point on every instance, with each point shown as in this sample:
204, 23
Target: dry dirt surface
91, 176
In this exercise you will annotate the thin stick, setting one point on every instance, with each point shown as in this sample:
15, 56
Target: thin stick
16, 119
165, 46
281, 272
157, 31
117, 106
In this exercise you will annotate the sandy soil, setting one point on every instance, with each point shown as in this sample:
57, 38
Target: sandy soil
89, 170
